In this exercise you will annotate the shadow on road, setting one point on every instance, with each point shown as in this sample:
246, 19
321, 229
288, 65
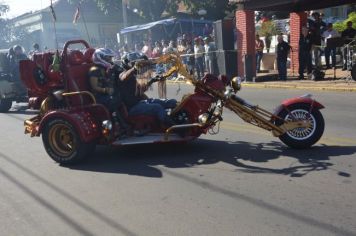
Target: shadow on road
144, 160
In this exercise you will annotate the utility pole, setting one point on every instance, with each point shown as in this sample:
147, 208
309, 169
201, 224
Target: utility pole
124, 16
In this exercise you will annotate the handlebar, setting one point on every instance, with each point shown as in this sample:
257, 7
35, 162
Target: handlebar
71, 42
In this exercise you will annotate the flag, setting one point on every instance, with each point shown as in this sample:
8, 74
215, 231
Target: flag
76, 15
53, 13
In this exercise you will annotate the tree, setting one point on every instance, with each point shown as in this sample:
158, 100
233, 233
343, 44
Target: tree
151, 10
267, 30
9, 34
341, 26
3, 9
216, 9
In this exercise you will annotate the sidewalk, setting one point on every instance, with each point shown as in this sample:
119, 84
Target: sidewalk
343, 81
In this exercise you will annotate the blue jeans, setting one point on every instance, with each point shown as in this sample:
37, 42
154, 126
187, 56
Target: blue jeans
110, 102
258, 60
154, 107
329, 51
199, 66
282, 69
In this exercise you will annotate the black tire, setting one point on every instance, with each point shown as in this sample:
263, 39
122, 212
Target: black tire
5, 105
63, 143
302, 138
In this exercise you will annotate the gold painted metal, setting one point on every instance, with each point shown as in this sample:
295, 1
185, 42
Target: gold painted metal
175, 127
81, 93
31, 126
253, 115
45, 105
290, 125
62, 140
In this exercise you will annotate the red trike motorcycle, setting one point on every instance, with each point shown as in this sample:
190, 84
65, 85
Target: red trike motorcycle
72, 123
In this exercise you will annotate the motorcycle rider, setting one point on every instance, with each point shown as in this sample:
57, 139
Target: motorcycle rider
133, 97
102, 80
15, 55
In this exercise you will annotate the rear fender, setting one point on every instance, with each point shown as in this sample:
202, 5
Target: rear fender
82, 121
297, 100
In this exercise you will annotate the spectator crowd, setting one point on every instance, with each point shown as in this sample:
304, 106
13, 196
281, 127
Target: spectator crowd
317, 38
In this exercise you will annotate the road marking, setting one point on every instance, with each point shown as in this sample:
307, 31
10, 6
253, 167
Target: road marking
328, 140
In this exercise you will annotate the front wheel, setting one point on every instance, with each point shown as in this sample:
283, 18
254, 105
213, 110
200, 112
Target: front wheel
301, 137
63, 143
5, 105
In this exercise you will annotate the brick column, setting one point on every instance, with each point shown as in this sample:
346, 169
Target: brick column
297, 21
245, 28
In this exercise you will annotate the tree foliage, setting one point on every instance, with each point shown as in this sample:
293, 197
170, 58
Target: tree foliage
216, 9
341, 26
9, 34
268, 28
152, 10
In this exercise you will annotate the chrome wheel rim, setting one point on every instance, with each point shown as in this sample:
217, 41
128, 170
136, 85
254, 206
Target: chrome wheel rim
301, 133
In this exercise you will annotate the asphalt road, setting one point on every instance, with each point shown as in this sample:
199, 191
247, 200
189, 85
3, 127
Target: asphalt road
242, 181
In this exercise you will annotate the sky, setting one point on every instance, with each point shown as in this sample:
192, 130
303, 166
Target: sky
18, 7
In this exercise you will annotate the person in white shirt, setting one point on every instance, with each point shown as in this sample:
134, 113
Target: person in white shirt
209, 55
330, 50
199, 57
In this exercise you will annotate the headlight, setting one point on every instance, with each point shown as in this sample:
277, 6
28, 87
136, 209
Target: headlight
107, 124
236, 83
203, 118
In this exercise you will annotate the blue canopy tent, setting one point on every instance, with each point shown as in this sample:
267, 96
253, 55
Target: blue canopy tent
168, 28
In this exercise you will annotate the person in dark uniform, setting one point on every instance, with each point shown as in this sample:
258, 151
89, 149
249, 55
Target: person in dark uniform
102, 78
348, 34
101, 85
17, 54
283, 49
135, 100
317, 27
305, 59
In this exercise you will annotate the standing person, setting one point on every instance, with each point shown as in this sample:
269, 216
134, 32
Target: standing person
329, 49
157, 50
36, 49
209, 55
137, 48
283, 49
191, 58
182, 49
207, 31
305, 60
161, 85
199, 57
171, 48
259, 46
125, 50
316, 27
348, 34
146, 49
164, 46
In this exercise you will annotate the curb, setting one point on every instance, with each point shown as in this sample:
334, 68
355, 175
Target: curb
297, 86
286, 86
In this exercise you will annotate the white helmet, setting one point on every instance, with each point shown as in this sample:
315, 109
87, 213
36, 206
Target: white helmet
100, 57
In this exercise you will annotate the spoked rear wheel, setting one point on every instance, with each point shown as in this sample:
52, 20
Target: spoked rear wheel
302, 137
63, 144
